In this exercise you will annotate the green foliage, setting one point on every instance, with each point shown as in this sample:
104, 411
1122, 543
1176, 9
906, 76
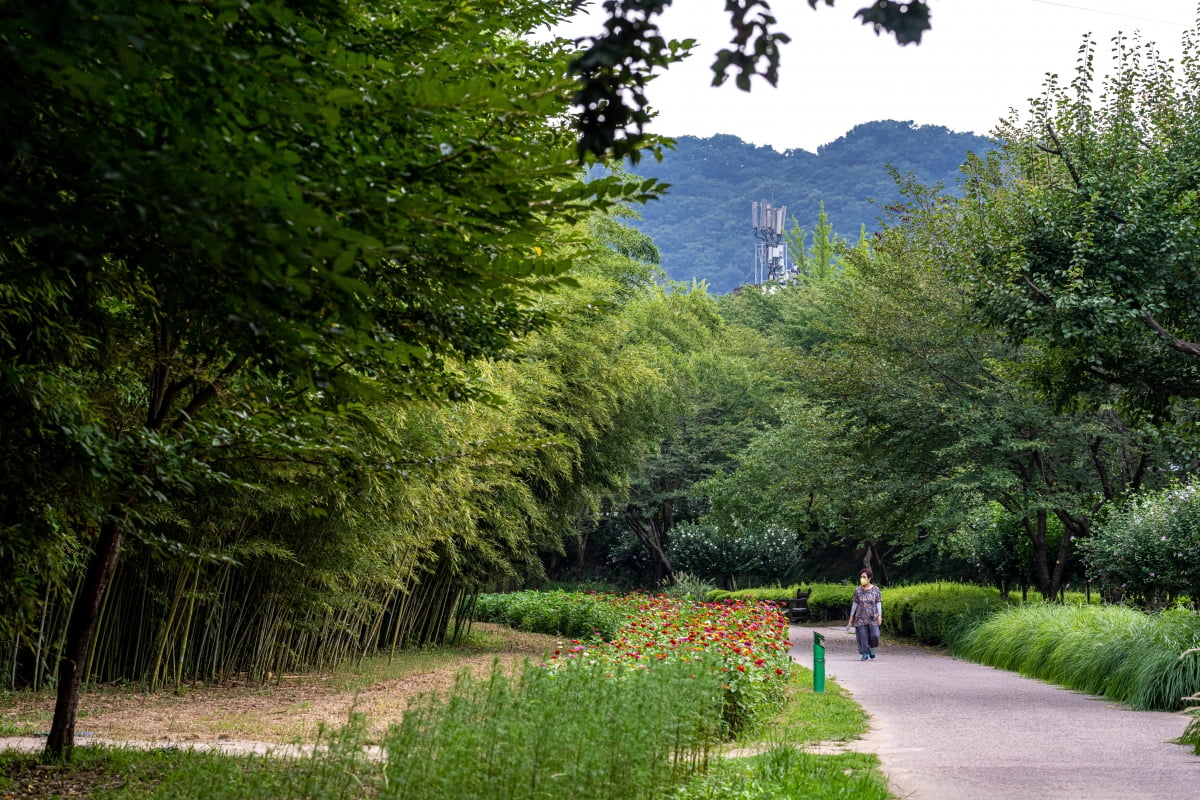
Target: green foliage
241, 241
723, 387
831, 602
1148, 551
1085, 231
937, 613
1191, 735
994, 543
770, 593
574, 615
1113, 651
912, 414
932, 612
689, 587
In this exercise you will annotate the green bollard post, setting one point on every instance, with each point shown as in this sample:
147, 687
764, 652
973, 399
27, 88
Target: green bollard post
818, 663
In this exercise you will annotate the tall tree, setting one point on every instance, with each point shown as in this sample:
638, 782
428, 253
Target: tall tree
280, 209
933, 402
1085, 231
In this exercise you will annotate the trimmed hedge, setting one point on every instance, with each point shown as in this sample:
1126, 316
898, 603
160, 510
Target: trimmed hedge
933, 612
577, 616
826, 601
830, 602
937, 613
764, 593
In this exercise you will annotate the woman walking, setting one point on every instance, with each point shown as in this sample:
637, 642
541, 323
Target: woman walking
866, 614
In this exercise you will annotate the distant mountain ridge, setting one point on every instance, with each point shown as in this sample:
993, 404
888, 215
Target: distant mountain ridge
703, 225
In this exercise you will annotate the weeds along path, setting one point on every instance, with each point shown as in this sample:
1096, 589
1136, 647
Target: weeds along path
947, 729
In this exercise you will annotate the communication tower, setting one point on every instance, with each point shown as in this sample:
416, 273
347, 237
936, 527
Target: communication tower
770, 252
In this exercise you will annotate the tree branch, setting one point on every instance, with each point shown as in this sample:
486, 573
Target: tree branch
1037, 289
1058, 151
205, 395
1175, 343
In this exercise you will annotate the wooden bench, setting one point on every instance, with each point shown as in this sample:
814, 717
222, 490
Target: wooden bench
796, 608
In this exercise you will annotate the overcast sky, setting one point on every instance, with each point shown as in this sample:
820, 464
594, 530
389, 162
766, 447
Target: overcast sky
982, 58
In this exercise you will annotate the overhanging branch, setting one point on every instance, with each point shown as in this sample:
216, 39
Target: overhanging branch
1175, 343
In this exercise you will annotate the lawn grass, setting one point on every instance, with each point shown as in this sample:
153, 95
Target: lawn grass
809, 718
785, 773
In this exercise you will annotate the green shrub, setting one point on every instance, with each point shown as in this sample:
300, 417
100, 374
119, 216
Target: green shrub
830, 602
736, 553
936, 613
1148, 552
577, 616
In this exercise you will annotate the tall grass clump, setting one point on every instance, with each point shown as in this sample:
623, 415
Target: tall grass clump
582, 730
1113, 651
690, 587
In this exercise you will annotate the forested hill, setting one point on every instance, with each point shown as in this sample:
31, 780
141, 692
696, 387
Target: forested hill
703, 225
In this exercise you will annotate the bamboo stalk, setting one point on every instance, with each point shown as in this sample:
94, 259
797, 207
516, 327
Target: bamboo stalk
37, 656
187, 629
165, 629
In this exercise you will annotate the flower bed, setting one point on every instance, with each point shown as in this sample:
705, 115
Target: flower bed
744, 643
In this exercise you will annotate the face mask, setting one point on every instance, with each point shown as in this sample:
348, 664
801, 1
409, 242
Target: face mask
864, 580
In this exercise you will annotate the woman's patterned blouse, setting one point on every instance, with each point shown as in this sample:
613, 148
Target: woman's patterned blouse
865, 602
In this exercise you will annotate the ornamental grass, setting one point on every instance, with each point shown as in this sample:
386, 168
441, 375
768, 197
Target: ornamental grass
1113, 651
576, 732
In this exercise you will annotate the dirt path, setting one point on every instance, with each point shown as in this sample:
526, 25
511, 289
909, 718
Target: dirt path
252, 717
947, 729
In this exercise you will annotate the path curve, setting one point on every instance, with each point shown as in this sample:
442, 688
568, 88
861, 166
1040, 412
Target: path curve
947, 729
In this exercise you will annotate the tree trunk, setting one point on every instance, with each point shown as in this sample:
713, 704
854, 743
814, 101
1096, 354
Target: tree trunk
82, 625
580, 564
867, 554
1036, 528
651, 539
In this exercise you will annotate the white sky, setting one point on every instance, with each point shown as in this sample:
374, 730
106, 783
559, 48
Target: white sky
982, 58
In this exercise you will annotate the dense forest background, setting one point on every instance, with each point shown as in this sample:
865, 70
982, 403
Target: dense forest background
702, 224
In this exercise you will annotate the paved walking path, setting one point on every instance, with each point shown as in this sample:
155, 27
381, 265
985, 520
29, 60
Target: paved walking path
946, 729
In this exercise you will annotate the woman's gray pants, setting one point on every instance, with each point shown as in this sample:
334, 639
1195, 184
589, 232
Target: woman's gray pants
862, 634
